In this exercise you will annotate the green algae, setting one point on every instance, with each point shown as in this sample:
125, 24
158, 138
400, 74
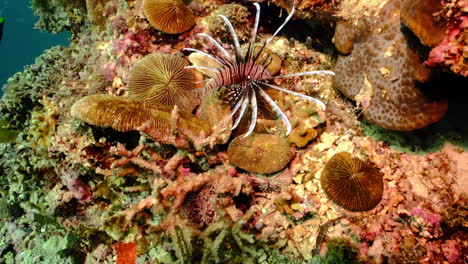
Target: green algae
7, 134
59, 15
340, 251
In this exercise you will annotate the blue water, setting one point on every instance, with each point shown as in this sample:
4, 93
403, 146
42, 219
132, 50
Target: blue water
21, 43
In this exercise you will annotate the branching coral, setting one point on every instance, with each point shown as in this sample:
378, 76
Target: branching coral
380, 75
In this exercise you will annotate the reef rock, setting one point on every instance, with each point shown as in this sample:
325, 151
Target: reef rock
419, 17
452, 52
382, 74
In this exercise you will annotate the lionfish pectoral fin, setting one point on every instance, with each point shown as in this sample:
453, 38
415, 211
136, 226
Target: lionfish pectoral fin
276, 109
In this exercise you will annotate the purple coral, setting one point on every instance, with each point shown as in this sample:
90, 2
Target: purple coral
77, 187
432, 219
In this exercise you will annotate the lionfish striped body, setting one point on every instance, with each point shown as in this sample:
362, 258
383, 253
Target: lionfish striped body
242, 78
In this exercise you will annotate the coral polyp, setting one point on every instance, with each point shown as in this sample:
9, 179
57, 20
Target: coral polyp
169, 16
351, 183
241, 79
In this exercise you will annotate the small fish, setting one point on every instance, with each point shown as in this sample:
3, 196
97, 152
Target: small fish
2, 21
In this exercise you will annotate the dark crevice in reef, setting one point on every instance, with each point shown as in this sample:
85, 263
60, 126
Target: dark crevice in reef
318, 34
414, 43
129, 139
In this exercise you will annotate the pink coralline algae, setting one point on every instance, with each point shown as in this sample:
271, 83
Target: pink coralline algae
451, 251
452, 52
133, 42
77, 187
426, 224
109, 71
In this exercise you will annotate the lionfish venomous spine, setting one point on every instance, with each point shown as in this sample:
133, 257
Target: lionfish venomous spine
242, 78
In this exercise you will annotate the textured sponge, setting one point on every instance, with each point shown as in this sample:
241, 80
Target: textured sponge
381, 73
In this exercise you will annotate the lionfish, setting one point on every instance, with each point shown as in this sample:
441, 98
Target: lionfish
242, 78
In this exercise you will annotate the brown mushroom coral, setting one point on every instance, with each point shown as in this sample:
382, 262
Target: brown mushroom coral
352, 183
260, 153
169, 16
125, 114
162, 79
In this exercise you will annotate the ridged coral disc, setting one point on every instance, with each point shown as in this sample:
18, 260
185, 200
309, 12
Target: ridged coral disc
125, 114
169, 16
260, 153
162, 79
352, 183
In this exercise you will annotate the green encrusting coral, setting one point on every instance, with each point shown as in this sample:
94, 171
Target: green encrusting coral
340, 251
59, 15
7, 134
29, 231
24, 89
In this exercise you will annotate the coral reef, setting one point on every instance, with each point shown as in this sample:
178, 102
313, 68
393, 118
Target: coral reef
59, 15
242, 78
451, 52
142, 182
6, 133
125, 114
419, 17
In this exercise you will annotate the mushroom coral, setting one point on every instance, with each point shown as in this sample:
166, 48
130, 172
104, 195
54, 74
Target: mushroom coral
352, 183
169, 16
381, 73
125, 114
260, 153
162, 79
